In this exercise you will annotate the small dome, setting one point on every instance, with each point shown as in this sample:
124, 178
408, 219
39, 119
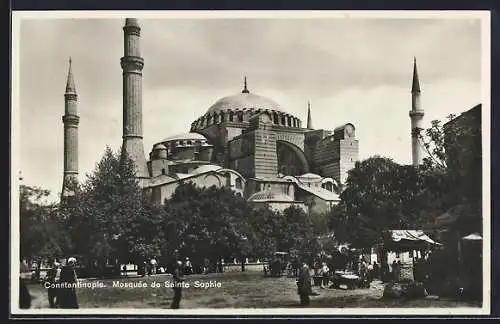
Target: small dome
244, 100
159, 147
185, 136
310, 176
269, 195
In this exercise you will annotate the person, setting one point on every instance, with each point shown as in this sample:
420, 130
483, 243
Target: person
394, 265
363, 272
325, 273
24, 294
206, 266
398, 270
178, 277
53, 276
153, 264
67, 291
124, 270
304, 285
376, 270
188, 267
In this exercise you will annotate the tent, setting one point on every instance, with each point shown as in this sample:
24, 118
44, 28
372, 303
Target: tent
407, 240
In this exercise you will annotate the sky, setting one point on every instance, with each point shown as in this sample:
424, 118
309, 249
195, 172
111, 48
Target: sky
356, 70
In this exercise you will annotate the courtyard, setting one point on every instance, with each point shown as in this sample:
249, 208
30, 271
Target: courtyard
228, 290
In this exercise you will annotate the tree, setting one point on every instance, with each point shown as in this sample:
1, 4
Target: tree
42, 234
109, 219
455, 151
209, 222
381, 194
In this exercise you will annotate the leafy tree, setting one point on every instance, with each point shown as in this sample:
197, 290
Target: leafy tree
109, 219
381, 194
42, 234
455, 151
209, 222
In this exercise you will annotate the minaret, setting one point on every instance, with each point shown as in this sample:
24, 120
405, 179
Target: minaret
132, 64
309, 119
70, 121
416, 116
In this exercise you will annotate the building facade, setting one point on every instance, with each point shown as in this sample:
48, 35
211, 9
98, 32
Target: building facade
243, 141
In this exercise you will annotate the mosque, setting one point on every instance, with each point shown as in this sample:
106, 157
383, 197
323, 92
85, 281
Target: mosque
244, 141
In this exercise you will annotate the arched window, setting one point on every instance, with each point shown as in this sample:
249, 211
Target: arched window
163, 171
240, 116
238, 183
231, 116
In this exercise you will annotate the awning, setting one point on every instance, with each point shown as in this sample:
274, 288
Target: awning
473, 237
406, 240
411, 235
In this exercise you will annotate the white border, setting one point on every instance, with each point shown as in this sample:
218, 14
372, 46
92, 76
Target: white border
485, 17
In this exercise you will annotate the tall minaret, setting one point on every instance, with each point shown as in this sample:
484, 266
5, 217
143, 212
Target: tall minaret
132, 64
309, 119
416, 116
70, 120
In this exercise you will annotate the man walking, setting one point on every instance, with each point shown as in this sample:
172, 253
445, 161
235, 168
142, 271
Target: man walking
68, 281
304, 285
53, 276
178, 276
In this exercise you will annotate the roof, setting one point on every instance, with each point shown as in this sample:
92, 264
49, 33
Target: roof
310, 176
473, 237
269, 196
411, 235
206, 168
244, 100
322, 193
185, 136
159, 146
342, 127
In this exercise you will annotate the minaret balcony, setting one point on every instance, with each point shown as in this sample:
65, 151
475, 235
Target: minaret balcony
71, 119
132, 63
416, 113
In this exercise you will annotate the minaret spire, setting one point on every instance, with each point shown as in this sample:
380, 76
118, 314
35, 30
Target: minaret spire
416, 116
309, 119
70, 121
245, 89
415, 87
70, 83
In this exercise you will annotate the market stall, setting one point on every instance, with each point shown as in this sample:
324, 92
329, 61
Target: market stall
405, 241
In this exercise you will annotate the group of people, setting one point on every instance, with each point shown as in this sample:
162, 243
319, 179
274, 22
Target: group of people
60, 283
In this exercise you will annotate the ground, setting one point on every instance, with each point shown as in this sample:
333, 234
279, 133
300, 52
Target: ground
237, 290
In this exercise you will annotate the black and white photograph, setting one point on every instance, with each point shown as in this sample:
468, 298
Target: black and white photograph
250, 163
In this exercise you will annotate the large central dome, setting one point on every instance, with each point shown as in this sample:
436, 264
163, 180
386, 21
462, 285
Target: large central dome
244, 100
